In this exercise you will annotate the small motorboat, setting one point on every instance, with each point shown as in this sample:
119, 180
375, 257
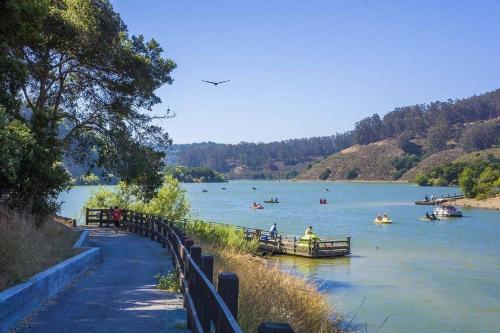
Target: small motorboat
204, 191
382, 220
322, 201
447, 211
271, 201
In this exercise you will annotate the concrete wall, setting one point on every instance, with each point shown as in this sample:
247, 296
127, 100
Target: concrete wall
21, 300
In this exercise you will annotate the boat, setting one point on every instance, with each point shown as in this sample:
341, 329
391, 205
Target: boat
254, 188
425, 218
271, 201
223, 188
204, 191
447, 211
257, 206
383, 220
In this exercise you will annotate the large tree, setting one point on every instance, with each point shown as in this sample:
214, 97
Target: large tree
86, 86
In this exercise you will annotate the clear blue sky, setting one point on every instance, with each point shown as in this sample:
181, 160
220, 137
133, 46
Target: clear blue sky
311, 68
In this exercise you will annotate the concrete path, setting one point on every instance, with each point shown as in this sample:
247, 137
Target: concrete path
119, 295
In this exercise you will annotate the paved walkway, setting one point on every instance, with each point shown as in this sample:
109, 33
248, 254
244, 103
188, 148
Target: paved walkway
119, 295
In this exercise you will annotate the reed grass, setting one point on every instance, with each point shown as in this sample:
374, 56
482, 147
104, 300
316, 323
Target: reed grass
266, 293
26, 249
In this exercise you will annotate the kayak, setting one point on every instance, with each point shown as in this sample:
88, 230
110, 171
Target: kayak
423, 218
383, 221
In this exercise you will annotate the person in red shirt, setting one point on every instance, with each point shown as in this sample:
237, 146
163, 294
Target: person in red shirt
117, 215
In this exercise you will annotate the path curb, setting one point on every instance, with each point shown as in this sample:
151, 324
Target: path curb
21, 300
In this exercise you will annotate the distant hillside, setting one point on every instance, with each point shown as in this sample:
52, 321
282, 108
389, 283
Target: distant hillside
284, 159
405, 141
359, 162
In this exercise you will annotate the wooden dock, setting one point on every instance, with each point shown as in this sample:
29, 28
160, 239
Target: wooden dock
281, 244
440, 199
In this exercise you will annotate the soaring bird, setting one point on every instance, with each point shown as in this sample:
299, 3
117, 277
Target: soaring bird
215, 83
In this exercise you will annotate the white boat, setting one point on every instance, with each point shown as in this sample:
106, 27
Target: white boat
447, 211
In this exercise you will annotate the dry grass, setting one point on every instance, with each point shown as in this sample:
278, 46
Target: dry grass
26, 250
269, 294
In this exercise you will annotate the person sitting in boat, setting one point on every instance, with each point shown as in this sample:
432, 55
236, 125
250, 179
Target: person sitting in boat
385, 216
276, 199
309, 231
254, 204
428, 216
273, 231
426, 198
432, 196
379, 217
433, 216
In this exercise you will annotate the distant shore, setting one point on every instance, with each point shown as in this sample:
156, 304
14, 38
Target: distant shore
490, 203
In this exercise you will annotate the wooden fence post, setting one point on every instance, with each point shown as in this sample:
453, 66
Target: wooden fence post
207, 266
195, 252
274, 328
348, 245
152, 221
227, 287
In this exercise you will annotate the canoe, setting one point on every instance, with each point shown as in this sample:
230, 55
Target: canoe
387, 221
268, 201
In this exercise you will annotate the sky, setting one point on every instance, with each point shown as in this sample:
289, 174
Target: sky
312, 68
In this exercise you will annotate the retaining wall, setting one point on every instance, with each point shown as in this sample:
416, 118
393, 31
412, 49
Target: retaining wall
21, 300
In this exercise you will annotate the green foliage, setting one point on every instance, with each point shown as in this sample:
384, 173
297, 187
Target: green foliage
477, 179
169, 282
368, 130
421, 180
90, 179
325, 174
224, 237
403, 164
438, 136
170, 201
480, 136
352, 174
194, 175
83, 83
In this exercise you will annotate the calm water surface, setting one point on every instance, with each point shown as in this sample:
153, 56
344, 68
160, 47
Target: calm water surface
426, 276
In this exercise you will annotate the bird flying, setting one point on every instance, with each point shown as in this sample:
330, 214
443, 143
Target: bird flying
215, 83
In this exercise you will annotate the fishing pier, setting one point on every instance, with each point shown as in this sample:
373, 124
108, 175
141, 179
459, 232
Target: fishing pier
279, 245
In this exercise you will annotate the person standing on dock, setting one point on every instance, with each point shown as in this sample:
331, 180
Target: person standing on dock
273, 231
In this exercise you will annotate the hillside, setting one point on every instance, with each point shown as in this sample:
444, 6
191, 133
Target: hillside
359, 162
430, 162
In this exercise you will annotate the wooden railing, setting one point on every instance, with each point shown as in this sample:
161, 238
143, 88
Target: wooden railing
208, 309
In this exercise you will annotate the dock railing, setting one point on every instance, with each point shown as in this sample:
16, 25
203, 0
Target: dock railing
208, 309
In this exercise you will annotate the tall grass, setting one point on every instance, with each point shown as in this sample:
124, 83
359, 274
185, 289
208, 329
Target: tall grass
26, 249
266, 293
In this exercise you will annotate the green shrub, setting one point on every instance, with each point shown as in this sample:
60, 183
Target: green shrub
325, 174
221, 236
169, 282
421, 180
352, 174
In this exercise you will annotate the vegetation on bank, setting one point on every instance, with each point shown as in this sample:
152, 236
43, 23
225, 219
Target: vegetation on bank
169, 201
266, 293
194, 175
27, 249
478, 179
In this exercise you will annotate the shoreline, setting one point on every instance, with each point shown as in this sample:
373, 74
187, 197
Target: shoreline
490, 203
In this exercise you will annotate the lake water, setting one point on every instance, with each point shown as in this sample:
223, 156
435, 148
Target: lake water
441, 276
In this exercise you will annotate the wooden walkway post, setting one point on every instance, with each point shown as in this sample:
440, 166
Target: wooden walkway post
228, 288
87, 213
